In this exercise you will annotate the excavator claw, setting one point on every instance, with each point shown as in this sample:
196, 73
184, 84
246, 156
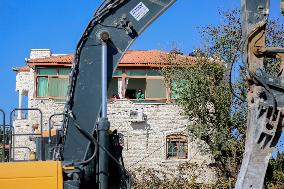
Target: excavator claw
265, 96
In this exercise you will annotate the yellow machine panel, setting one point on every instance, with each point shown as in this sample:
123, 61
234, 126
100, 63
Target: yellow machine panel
31, 175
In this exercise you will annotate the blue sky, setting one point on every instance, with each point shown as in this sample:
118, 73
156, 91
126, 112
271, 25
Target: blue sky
58, 25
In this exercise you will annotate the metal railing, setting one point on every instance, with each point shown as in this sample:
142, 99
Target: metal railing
3, 134
24, 147
49, 131
13, 134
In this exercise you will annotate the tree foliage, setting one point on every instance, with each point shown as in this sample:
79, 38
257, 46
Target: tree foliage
201, 86
275, 38
274, 178
206, 99
185, 177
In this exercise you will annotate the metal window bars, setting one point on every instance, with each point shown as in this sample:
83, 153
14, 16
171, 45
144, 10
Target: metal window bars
3, 128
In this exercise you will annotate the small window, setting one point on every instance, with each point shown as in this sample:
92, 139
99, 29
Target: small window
177, 146
52, 87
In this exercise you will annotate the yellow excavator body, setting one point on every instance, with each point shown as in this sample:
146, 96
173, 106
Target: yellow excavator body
31, 175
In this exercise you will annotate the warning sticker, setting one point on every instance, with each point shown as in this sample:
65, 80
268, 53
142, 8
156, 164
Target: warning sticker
139, 11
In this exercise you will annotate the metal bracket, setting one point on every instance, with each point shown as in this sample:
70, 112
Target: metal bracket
268, 126
123, 23
271, 52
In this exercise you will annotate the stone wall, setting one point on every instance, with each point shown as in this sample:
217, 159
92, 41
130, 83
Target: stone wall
40, 53
24, 80
21, 124
144, 143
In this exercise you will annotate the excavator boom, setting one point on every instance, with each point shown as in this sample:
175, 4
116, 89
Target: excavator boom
115, 26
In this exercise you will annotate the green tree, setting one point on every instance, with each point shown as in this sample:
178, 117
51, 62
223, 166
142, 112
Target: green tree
204, 96
275, 172
202, 89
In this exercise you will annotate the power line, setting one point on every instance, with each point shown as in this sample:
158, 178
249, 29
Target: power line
147, 155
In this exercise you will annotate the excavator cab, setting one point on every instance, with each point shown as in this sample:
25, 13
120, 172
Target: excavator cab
29, 172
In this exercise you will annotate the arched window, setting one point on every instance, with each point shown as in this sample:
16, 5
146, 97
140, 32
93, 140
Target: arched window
177, 146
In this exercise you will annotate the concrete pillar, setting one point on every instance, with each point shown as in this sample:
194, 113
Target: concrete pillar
20, 104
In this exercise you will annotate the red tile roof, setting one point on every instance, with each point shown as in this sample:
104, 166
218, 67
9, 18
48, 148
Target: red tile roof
143, 58
21, 69
150, 58
67, 59
132, 58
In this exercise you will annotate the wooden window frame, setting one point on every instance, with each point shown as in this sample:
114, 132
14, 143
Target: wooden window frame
125, 76
49, 76
178, 137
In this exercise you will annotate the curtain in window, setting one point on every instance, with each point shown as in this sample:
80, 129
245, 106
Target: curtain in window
62, 87
57, 87
119, 87
42, 85
155, 88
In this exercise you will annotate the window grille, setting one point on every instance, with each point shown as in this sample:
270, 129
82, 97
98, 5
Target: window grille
177, 146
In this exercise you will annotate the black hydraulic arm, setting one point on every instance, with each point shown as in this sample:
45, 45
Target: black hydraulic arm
116, 24
123, 21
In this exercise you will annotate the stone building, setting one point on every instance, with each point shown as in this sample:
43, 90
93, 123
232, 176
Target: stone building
153, 131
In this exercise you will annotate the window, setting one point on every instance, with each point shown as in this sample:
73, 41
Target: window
177, 146
115, 85
155, 88
52, 82
127, 82
133, 85
114, 88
